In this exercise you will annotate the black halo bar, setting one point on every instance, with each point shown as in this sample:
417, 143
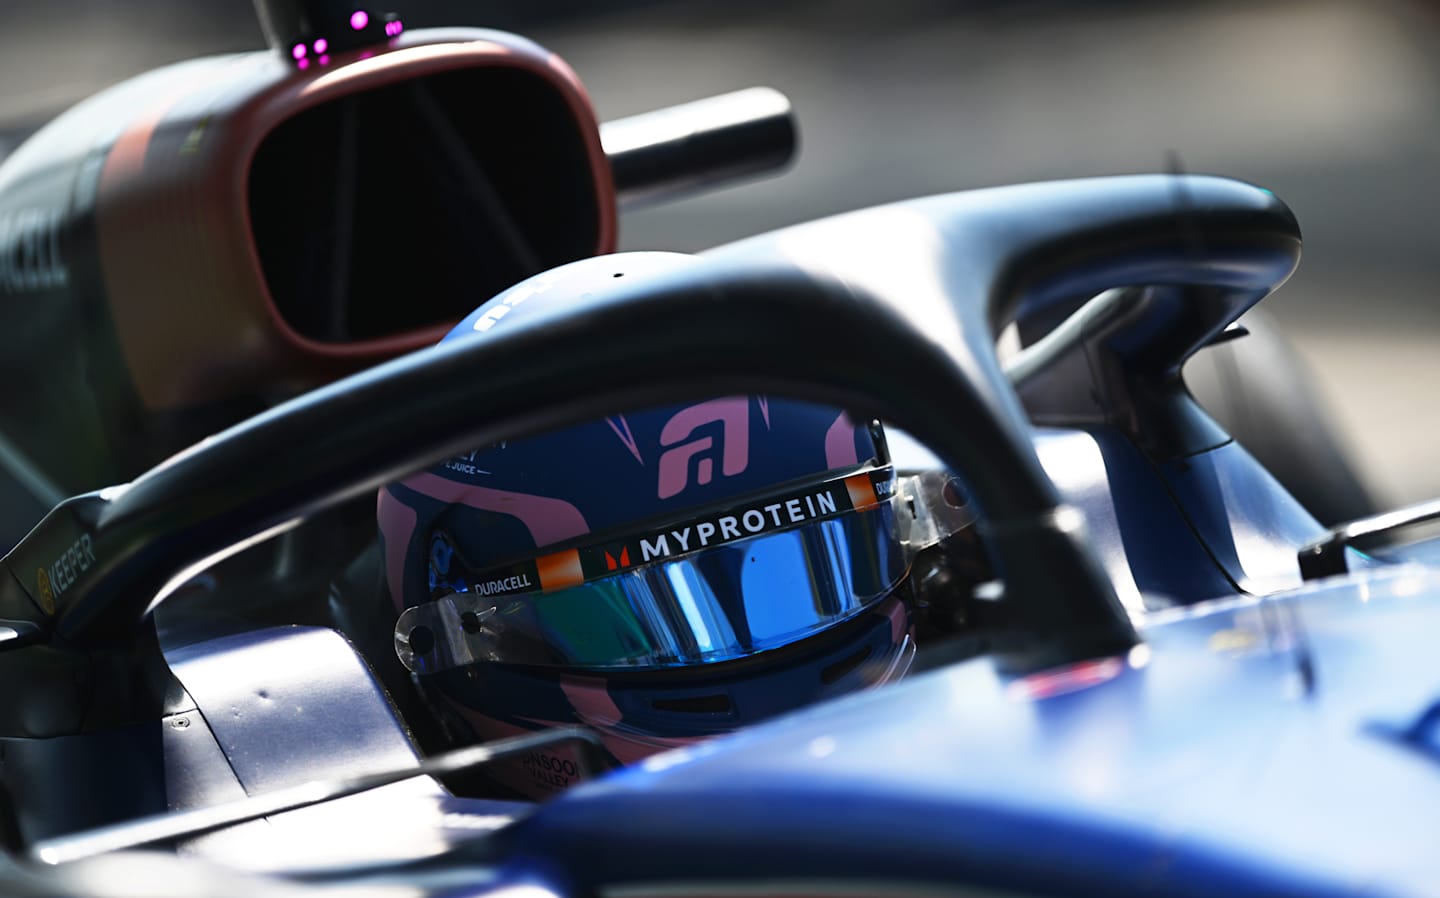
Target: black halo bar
890, 311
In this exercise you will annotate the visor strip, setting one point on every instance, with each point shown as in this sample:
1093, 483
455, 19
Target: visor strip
572, 567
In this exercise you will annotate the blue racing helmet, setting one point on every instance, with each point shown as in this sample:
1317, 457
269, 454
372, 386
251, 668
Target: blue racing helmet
661, 576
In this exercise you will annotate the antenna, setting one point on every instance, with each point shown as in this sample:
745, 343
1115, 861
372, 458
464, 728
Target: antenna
309, 31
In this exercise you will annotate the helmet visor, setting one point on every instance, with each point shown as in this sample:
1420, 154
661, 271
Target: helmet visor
727, 600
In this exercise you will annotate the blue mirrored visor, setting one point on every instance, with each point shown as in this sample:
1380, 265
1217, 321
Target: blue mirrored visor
641, 604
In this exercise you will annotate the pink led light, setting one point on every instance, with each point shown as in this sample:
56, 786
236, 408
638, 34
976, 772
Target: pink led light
324, 60
298, 51
359, 19
304, 63
321, 45
393, 29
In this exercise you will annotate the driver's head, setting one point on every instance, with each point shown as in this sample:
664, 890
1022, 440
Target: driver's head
659, 576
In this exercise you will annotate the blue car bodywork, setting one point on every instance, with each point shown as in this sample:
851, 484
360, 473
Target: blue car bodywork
1208, 762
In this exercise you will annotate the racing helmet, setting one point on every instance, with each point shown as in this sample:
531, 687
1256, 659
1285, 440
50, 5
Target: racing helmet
660, 576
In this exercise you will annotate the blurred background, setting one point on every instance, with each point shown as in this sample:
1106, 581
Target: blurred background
1333, 105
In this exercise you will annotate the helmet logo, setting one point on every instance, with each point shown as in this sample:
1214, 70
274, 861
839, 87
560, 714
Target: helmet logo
733, 416
612, 563
502, 304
